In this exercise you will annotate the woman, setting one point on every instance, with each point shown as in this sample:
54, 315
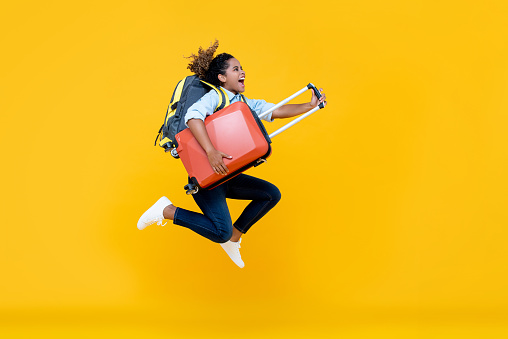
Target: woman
215, 222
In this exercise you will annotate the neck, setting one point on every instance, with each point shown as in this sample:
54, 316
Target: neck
231, 90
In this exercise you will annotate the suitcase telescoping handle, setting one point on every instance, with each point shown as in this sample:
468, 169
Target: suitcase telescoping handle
301, 117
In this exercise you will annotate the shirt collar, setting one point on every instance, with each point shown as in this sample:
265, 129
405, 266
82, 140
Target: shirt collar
231, 95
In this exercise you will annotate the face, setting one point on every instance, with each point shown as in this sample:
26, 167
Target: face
234, 78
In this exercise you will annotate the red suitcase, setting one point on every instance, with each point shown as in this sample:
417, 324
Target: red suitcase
233, 130
236, 131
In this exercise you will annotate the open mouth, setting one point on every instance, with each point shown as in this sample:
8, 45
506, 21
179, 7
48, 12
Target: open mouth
242, 81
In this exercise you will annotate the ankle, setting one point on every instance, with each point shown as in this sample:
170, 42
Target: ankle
236, 235
169, 212
235, 238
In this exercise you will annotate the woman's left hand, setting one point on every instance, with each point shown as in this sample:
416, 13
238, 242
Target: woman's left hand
315, 101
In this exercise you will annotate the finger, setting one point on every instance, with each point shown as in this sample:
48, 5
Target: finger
216, 168
223, 170
224, 155
220, 168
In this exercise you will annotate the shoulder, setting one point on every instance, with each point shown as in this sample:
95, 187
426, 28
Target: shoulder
210, 95
202, 107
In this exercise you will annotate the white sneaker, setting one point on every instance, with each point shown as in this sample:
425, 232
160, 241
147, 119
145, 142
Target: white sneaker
233, 250
154, 214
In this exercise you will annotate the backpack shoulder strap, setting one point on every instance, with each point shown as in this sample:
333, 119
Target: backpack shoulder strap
223, 98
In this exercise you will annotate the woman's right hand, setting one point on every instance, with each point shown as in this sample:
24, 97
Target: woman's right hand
215, 160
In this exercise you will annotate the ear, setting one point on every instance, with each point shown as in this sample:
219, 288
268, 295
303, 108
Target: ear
222, 77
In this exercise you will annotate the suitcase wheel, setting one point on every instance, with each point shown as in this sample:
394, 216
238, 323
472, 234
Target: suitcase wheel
191, 189
174, 153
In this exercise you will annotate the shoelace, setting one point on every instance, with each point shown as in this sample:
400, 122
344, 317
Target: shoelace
160, 222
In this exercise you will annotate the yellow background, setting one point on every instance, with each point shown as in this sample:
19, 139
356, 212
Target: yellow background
393, 218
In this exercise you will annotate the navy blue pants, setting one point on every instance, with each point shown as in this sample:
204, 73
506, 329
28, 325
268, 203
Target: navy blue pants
215, 222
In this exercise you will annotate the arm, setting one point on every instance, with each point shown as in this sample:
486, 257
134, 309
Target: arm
291, 110
198, 129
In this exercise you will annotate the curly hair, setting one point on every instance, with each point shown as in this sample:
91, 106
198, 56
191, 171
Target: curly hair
206, 67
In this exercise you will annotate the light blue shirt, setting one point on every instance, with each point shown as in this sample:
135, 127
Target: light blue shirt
207, 104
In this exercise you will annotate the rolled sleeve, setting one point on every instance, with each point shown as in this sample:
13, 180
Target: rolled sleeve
261, 106
203, 107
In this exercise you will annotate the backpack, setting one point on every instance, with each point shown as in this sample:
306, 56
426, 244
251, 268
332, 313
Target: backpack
186, 93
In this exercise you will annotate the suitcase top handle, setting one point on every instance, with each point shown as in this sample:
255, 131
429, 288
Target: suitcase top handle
318, 94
